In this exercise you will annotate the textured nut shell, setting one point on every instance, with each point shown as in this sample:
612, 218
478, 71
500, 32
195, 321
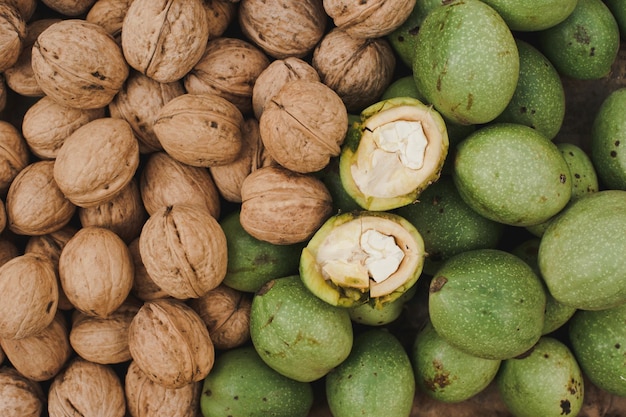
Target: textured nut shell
228, 68
359, 70
110, 15
285, 27
369, 19
78, 64
283, 207
28, 296
302, 135
164, 182
226, 313
96, 271
277, 74
220, 14
12, 34
170, 343
14, 155
35, 205
26, 7
3, 217
96, 161
139, 101
164, 39
8, 251
103, 340
184, 250
20, 396
173, 402
124, 214
69, 7
200, 129
46, 125
144, 287
229, 177
86, 389
42, 356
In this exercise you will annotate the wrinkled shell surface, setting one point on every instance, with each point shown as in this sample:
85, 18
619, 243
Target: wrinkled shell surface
78, 64
302, 135
170, 343
144, 287
12, 35
283, 207
19, 396
184, 250
26, 7
14, 154
69, 7
110, 15
220, 14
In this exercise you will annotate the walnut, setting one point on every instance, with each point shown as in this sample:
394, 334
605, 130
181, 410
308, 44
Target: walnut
200, 129
96, 271
220, 14
170, 343
12, 35
78, 64
26, 7
283, 207
14, 155
359, 70
8, 251
226, 312
283, 28
302, 135
46, 125
184, 250
42, 356
139, 102
173, 402
164, 181
96, 161
20, 396
164, 39
110, 15
228, 68
28, 296
144, 287
35, 205
71, 8
85, 388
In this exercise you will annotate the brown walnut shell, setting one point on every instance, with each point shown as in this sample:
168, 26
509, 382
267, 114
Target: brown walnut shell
96, 271
164, 39
26, 7
20, 396
302, 135
78, 64
28, 296
96, 161
12, 35
71, 8
3, 216
285, 27
200, 130
170, 343
8, 251
283, 207
14, 155
184, 250
110, 15
144, 287
3, 93
220, 14
85, 388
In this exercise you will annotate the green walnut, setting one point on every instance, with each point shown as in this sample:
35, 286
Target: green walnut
533, 15
608, 140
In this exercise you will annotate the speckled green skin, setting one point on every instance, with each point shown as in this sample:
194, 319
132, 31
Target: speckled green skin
585, 44
581, 255
512, 174
487, 303
466, 62
618, 8
372, 314
240, 384
375, 380
598, 339
296, 333
608, 141
446, 373
546, 382
539, 99
533, 15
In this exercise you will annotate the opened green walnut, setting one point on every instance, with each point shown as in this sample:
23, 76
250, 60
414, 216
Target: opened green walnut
394, 152
361, 257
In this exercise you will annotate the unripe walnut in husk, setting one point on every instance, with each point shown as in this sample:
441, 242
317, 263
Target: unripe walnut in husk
110, 15
78, 64
184, 250
144, 287
302, 135
12, 35
21, 397
283, 207
170, 343
14, 155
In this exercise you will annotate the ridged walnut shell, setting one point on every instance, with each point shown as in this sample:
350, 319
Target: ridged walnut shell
26, 7
96, 271
359, 70
35, 205
85, 388
283, 207
110, 15
170, 343
96, 161
285, 27
12, 35
78, 64
20, 396
28, 296
184, 250
144, 287
71, 8
164, 39
303, 134
173, 402
200, 130
220, 14
14, 154
42, 356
